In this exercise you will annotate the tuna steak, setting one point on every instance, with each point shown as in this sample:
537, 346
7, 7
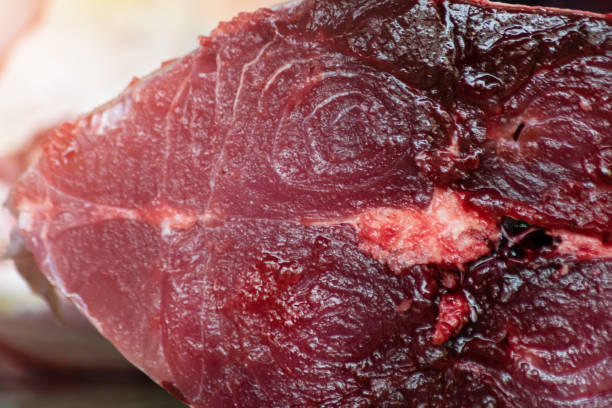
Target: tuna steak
359, 203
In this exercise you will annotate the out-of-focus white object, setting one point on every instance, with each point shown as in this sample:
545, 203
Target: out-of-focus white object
15, 18
84, 52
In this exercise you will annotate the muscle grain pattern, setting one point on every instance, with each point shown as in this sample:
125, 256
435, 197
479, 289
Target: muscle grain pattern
358, 203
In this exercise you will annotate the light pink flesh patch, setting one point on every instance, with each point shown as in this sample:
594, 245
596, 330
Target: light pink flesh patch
446, 232
453, 314
581, 246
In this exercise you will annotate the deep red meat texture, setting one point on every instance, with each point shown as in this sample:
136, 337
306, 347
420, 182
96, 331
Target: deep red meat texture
246, 224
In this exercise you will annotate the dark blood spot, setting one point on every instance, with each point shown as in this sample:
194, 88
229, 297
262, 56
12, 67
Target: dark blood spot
517, 132
516, 251
537, 240
514, 227
519, 238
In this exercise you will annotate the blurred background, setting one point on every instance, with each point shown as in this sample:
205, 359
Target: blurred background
59, 58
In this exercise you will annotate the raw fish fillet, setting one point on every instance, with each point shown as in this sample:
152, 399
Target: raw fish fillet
349, 204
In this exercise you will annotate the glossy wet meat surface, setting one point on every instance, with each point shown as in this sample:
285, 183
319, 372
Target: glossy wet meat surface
246, 224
